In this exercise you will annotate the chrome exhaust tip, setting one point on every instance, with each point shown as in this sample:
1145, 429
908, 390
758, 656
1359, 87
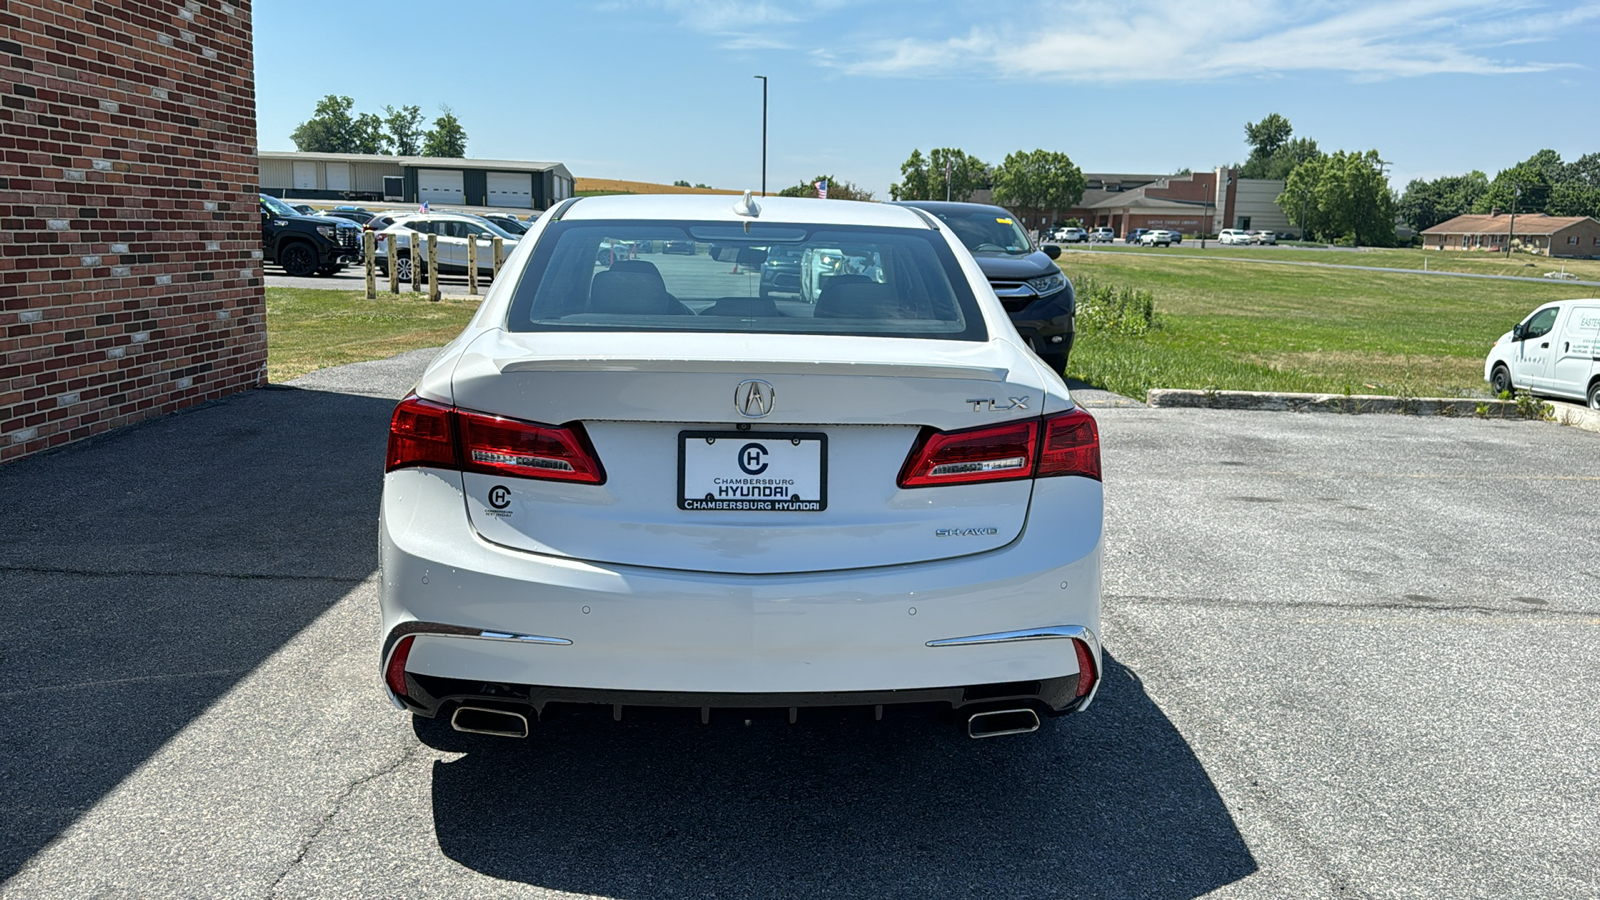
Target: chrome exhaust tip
481, 720
1001, 722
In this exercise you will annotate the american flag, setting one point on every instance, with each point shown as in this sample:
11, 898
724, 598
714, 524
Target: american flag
822, 190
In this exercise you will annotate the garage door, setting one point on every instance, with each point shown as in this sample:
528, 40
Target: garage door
305, 176
338, 176
511, 189
439, 186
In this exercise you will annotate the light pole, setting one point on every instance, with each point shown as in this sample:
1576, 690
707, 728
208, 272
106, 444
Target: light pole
1511, 230
763, 134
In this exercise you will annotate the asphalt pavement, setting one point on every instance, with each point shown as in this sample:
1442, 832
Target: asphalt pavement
1348, 656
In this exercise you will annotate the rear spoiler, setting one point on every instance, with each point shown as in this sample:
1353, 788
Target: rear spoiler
758, 367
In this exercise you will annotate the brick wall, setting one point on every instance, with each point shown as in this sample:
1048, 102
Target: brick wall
130, 271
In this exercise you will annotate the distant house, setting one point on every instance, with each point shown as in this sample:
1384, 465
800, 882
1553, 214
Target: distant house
1534, 233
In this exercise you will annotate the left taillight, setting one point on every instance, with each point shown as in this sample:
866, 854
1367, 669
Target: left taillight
423, 433
500, 446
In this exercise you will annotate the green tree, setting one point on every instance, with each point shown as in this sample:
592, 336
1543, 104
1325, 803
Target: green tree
1427, 203
1290, 155
447, 137
1343, 196
367, 134
1265, 138
331, 129
404, 127
681, 183
837, 190
1522, 187
1585, 170
914, 183
966, 174
1042, 179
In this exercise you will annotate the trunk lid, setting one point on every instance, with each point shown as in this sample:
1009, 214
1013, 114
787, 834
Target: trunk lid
658, 421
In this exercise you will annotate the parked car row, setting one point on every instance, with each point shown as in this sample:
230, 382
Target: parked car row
305, 241
1242, 236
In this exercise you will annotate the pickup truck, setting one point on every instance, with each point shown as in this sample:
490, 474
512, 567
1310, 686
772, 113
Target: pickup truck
306, 245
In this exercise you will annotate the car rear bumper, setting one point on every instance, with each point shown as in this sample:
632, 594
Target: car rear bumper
549, 629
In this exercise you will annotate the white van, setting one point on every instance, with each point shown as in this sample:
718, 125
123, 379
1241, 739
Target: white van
1554, 351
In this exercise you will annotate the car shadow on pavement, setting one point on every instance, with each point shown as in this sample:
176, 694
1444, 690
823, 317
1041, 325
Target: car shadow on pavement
144, 573
1108, 804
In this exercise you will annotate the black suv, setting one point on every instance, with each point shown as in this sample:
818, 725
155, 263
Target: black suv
306, 245
1025, 277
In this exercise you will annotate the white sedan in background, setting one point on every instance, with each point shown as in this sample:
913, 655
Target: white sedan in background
642, 484
451, 231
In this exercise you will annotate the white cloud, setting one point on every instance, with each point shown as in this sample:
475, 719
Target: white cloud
1100, 41
753, 42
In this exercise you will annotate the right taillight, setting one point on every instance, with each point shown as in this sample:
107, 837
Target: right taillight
991, 453
1071, 445
1064, 444
423, 433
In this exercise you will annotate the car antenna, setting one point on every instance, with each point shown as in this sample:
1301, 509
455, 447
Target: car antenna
747, 206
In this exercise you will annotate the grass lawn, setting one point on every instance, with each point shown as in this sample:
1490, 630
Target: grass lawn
1480, 263
314, 329
1232, 326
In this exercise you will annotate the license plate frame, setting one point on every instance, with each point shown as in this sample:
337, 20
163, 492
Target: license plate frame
801, 441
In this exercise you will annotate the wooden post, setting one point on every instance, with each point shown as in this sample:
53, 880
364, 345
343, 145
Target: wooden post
499, 254
472, 264
414, 251
433, 267
392, 258
369, 244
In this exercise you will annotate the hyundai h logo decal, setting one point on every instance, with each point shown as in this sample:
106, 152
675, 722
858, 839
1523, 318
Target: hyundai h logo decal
753, 399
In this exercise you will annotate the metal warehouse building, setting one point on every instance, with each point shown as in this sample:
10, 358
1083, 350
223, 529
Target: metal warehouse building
414, 179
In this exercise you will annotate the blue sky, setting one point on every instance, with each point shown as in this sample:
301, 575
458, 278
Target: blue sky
658, 90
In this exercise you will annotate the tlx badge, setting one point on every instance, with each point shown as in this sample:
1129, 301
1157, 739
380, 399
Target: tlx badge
991, 405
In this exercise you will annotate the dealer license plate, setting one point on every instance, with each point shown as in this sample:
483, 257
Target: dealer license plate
744, 471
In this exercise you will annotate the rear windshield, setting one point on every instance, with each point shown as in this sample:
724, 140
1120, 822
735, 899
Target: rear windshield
719, 276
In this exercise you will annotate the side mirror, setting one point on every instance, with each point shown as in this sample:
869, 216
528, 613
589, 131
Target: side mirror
1052, 251
752, 257
1518, 331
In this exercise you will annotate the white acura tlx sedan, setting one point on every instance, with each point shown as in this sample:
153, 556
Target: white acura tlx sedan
635, 481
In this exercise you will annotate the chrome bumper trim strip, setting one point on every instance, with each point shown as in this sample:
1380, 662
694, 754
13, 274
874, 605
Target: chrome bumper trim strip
1053, 632
522, 638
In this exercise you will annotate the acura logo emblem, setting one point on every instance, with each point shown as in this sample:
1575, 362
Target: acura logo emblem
753, 399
